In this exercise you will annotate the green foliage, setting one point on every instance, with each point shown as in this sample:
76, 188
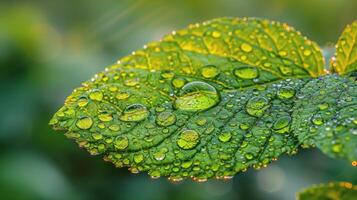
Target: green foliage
345, 60
324, 116
330, 191
213, 100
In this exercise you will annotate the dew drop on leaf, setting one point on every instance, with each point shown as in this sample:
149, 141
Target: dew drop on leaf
178, 82
201, 121
155, 174
82, 101
317, 120
336, 148
131, 82
246, 47
167, 74
114, 127
105, 117
122, 95
256, 106
209, 71
281, 124
188, 139
121, 142
96, 95
160, 155
285, 70
186, 164
244, 126
97, 136
197, 96
307, 52
225, 136
248, 156
101, 125
323, 106
283, 53
84, 123
246, 72
159, 109
134, 113
138, 158
286, 92
216, 34
166, 119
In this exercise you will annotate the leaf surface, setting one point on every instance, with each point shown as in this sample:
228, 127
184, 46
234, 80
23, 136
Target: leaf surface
345, 60
326, 116
333, 191
207, 101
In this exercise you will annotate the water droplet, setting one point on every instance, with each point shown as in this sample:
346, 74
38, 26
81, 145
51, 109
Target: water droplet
155, 174
122, 95
82, 101
160, 155
216, 34
121, 142
160, 109
281, 122
114, 127
317, 120
248, 156
209, 71
283, 53
113, 88
84, 123
131, 82
138, 158
96, 95
105, 117
167, 74
186, 164
225, 137
201, 121
267, 64
286, 92
101, 125
60, 114
246, 72
197, 96
166, 119
244, 126
323, 106
134, 113
53, 121
188, 139
178, 82
286, 70
97, 136
246, 47
307, 52
256, 106
336, 148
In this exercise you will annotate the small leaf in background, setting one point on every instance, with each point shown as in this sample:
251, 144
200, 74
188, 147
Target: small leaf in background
345, 60
330, 191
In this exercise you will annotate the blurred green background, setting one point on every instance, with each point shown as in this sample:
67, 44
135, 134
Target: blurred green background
47, 48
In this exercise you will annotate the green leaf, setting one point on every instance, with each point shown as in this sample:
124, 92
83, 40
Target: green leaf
345, 60
330, 191
325, 116
209, 100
